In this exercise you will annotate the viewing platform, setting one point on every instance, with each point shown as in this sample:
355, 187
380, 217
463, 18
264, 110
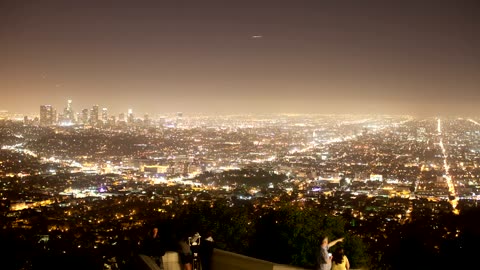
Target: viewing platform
221, 260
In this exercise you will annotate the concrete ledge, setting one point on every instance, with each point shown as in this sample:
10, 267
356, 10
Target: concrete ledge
221, 260
171, 261
228, 260
146, 263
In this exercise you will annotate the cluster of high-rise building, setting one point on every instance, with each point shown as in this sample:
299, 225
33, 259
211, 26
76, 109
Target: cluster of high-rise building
48, 115
94, 116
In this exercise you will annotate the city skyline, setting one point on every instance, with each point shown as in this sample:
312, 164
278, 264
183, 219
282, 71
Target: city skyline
242, 57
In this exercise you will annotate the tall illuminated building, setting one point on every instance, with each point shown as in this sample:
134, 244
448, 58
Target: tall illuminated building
130, 117
94, 115
121, 117
47, 115
179, 118
104, 115
84, 116
69, 115
146, 120
112, 121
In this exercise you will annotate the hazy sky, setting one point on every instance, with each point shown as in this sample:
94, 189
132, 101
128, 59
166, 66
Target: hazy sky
242, 56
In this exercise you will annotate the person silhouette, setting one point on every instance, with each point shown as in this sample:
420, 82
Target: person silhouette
206, 251
154, 247
185, 253
339, 260
324, 259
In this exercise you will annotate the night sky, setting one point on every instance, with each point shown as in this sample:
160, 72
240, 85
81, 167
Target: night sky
412, 57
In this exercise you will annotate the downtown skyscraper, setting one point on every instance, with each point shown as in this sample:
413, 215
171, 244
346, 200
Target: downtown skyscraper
47, 115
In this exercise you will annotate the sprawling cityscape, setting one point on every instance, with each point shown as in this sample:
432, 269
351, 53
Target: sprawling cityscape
104, 176
281, 131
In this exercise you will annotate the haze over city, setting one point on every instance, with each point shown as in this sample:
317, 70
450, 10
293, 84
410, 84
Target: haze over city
283, 134
402, 57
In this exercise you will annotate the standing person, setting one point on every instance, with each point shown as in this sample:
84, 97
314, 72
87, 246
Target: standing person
324, 259
206, 251
185, 253
154, 247
339, 260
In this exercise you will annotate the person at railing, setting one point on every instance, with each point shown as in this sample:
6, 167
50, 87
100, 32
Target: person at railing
154, 247
340, 260
185, 253
206, 251
324, 259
